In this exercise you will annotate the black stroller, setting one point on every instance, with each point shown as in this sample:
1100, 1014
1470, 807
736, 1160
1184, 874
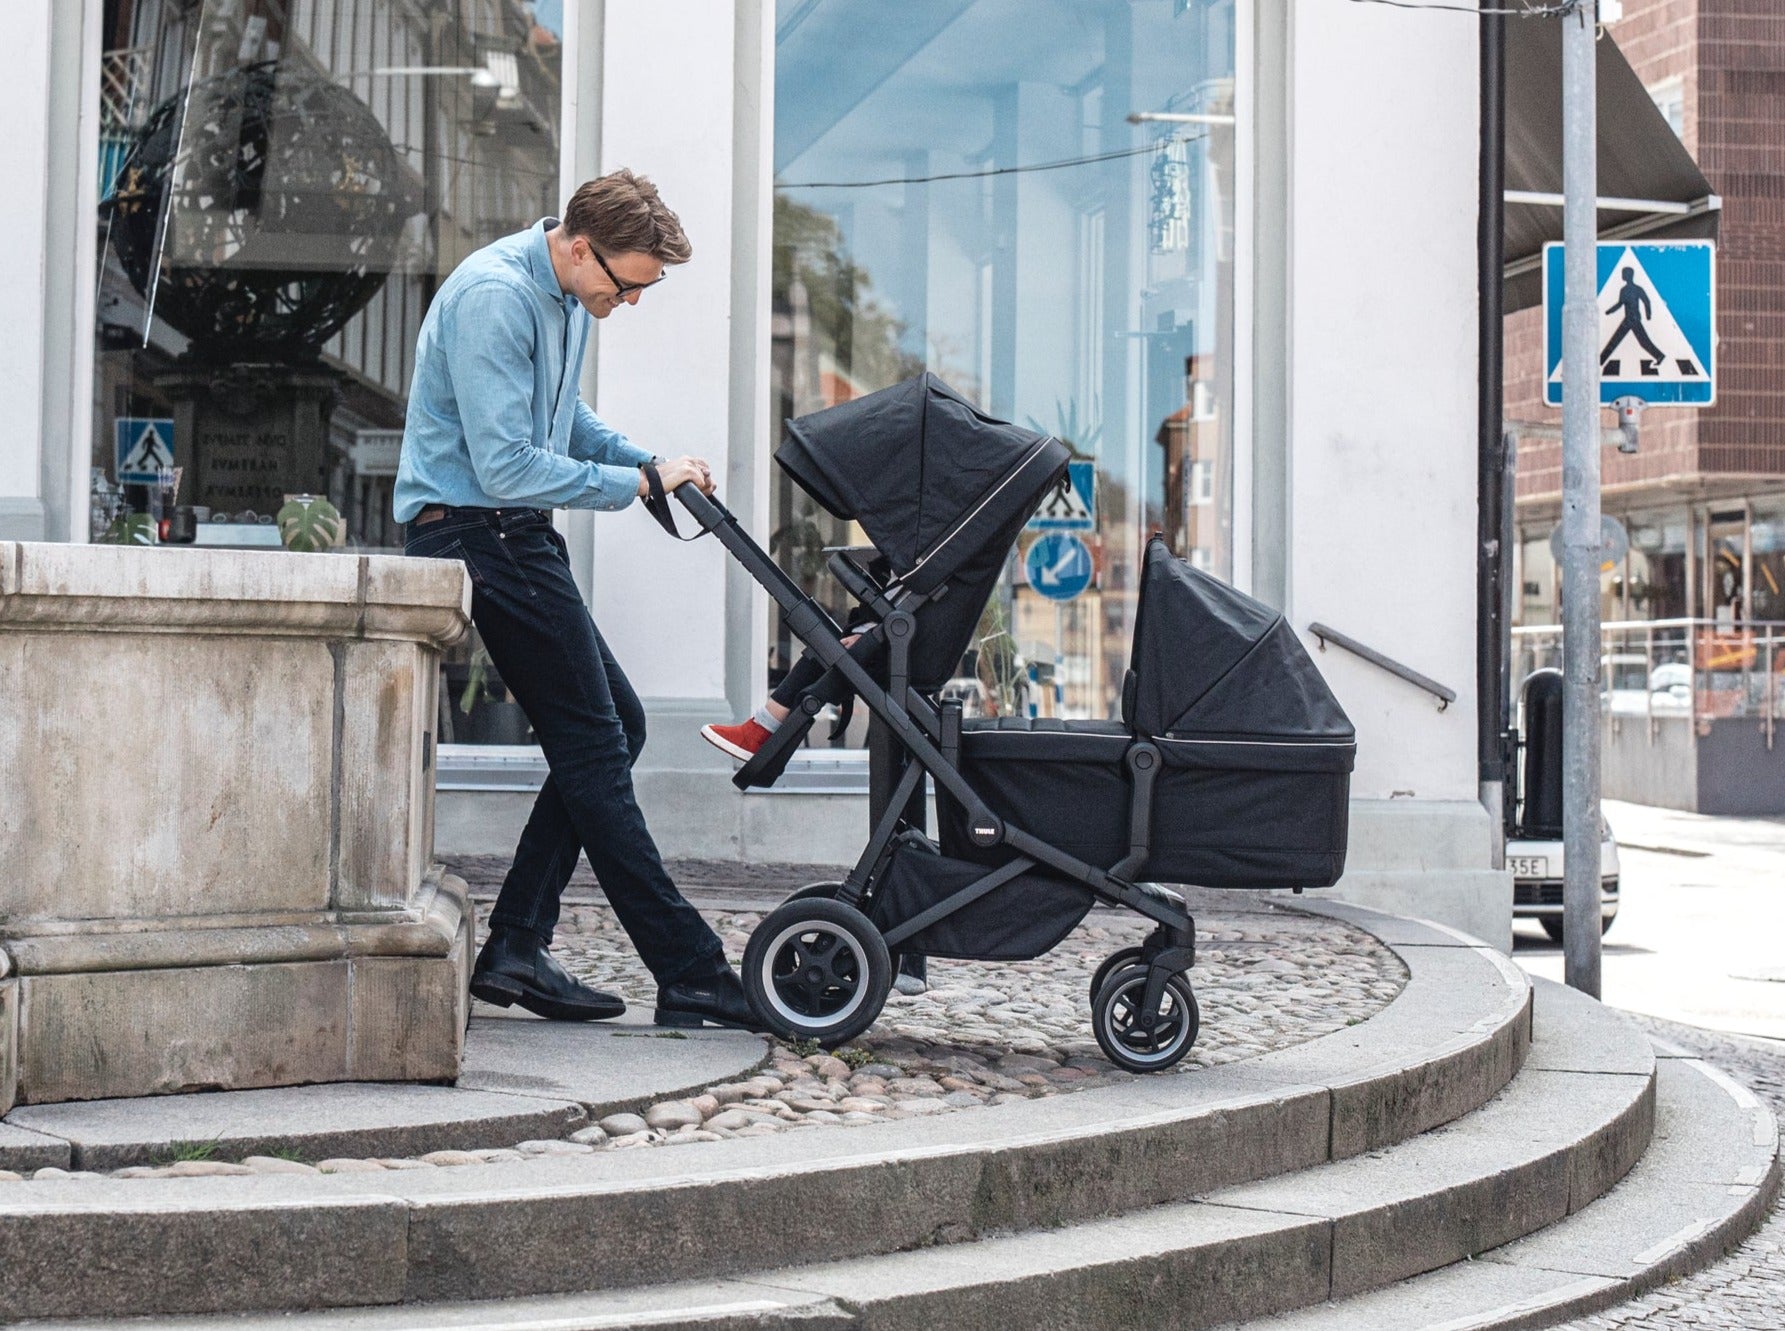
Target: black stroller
1229, 766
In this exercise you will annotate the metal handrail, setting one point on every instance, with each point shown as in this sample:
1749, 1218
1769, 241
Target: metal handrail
1640, 625
1444, 696
1760, 658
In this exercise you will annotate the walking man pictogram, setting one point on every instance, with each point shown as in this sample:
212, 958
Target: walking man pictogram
1634, 301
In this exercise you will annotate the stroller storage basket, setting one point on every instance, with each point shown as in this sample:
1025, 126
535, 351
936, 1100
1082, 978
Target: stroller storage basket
1225, 813
1016, 921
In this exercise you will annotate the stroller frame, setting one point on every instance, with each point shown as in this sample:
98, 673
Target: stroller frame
930, 735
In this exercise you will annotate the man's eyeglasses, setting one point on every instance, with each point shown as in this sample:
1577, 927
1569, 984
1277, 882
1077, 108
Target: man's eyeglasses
623, 289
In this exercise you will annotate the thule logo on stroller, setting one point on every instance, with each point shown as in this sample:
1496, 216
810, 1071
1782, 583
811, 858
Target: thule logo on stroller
1229, 765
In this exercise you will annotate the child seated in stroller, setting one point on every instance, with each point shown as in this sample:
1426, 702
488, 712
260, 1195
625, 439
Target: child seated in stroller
1227, 767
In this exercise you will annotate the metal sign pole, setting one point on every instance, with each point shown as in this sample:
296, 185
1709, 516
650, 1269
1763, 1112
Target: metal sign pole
1580, 502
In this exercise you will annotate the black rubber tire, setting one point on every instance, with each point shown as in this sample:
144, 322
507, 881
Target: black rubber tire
1116, 1004
828, 892
839, 996
813, 891
1125, 956
1552, 925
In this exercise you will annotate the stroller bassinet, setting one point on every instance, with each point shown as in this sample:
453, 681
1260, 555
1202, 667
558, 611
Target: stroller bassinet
1257, 753
1228, 768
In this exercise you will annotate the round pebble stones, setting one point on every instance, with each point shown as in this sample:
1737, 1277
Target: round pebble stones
983, 1035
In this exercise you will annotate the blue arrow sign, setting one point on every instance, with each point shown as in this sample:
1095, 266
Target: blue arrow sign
1058, 566
1657, 322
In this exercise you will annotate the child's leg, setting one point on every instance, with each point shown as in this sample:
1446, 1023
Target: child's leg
806, 672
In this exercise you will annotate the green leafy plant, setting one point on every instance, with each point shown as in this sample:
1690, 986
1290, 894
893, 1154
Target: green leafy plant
806, 1048
1000, 665
800, 542
181, 1151
477, 681
855, 1057
1079, 436
130, 529
309, 523
835, 295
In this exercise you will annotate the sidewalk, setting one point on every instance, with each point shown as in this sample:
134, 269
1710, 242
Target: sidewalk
1700, 933
1698, 951
1746, 1290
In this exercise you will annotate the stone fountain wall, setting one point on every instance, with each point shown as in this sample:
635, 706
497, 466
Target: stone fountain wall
216, 821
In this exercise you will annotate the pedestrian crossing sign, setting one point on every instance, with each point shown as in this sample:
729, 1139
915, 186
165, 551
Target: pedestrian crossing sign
1657, 322
145, 448
1071, 506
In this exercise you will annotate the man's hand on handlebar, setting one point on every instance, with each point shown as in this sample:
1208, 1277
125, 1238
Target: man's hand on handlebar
678, 471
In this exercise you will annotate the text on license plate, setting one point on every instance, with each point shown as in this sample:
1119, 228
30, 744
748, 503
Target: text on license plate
1528, 866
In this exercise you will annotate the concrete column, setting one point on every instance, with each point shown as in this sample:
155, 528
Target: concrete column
1381, 474
25, 32
664, 367
70, 268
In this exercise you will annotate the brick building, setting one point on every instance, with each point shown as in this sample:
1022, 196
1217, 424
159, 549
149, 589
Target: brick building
1704, 499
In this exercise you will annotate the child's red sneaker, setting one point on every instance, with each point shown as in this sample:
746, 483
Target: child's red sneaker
740, 741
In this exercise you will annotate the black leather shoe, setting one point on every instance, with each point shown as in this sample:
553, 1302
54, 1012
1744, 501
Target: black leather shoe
715, 998
515, 967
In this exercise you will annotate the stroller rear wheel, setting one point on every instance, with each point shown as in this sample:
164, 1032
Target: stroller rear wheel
1115, 1021
815, 969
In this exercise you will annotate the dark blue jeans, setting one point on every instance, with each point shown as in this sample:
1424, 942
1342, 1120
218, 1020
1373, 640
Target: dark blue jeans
591, 726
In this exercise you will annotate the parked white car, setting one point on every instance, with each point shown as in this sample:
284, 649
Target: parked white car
1670, 689
1537, 881
1630, 688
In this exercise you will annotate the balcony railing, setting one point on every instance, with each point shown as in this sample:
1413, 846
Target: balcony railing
123, 103
1696, 669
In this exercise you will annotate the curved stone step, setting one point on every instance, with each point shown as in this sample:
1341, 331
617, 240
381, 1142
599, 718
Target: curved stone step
1556, 1138
523, 1079
1454, 1036
1709, 1178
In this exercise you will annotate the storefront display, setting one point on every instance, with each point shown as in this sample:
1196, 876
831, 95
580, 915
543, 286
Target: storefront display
1036, 204
284, 183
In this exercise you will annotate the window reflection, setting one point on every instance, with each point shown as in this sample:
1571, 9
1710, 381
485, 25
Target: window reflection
959, 188
284, 185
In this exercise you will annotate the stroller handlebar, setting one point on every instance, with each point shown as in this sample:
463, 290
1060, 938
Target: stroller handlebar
707, 512
704, 509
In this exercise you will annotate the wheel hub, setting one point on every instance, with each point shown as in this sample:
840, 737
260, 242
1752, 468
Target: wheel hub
817, 973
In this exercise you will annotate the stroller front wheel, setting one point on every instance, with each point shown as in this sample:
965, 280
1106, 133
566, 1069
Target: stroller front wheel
1114, 962
1116, 1021
815, 969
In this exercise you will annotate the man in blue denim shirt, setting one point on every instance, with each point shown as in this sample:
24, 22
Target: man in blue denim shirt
496, 437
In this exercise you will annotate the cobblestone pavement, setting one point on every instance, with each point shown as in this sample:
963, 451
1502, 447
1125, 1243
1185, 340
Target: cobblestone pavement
988, 1033
984, 1034
1263, 981
1746, 1290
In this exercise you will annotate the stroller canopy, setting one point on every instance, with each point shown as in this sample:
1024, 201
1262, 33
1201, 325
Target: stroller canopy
929, 476
1210, 662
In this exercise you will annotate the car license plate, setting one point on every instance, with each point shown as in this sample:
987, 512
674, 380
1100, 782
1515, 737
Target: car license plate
1528, 866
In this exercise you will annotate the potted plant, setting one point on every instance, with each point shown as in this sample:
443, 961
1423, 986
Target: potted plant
487, 714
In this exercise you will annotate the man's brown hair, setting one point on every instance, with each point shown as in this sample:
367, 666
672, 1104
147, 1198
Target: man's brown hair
621, 213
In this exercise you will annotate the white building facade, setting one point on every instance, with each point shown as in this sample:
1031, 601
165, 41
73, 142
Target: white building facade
1253, 310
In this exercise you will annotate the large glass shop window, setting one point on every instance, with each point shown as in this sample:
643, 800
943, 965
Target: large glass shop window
959, 187
284, 184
